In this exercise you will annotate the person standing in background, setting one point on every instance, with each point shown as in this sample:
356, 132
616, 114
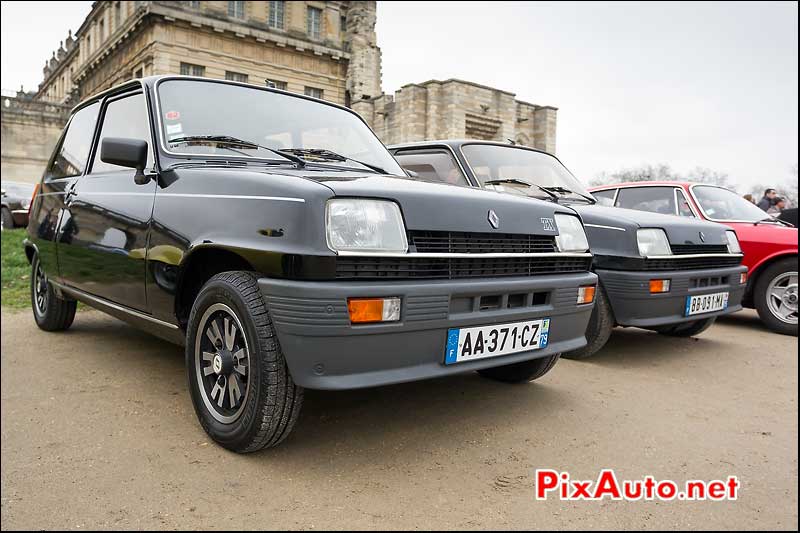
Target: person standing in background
768, 200
749, 198
778, 206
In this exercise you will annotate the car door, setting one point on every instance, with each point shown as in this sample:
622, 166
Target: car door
66, 165
104, 230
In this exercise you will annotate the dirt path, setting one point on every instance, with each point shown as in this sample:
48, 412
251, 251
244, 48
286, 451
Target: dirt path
98, 432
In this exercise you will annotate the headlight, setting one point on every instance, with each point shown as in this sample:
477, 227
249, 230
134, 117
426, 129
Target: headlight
26, 204
571, 236
355, 225
733, 242
653, 242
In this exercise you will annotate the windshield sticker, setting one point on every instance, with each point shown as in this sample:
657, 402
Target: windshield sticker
172, 115
174, 130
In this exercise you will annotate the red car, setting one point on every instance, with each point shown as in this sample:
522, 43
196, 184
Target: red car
769, 245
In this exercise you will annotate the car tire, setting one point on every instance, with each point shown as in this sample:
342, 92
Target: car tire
687, 329
50, 312
241, 366
780, 278
7, 219
601, 324
523, 372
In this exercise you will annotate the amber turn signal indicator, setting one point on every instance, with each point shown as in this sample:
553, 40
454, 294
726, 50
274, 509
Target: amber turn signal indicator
659, 285
366, 310
586, 294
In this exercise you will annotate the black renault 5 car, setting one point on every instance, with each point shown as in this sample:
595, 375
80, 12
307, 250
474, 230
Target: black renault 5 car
658, 272
276, 237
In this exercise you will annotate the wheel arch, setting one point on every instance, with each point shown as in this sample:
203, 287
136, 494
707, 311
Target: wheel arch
199, 265
753, 275
30, 250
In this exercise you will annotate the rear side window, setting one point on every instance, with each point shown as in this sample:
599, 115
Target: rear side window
605, 197
126, 118
73, 153
432, 166
653, 199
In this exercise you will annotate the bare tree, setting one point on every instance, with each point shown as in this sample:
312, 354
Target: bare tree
790, 188
658, 172
711, 177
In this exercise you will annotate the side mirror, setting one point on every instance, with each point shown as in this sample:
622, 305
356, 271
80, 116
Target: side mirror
130, 153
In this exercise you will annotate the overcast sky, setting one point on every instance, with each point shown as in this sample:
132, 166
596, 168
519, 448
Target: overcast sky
712, 85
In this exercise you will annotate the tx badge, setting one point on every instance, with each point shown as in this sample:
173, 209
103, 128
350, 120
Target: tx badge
548, 224
494, 220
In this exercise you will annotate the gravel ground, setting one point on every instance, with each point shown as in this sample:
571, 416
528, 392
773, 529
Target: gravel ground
98, 432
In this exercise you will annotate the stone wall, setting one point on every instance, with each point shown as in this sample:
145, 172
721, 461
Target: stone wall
30, 130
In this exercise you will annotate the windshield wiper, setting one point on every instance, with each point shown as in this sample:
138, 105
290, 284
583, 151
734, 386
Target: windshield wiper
227, 140
564, 190
328, 155
518, 181
774, 221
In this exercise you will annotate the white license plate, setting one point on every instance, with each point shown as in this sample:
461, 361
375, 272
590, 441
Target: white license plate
470, 344
706, 303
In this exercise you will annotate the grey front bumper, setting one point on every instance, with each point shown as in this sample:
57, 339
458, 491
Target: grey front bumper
324, 351
629, 294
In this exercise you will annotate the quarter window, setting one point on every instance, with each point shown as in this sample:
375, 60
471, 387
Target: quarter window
314, 22
125, 118
276, 14
605, 197
684, 209
653, 199
72, 155
187, 69
437, 166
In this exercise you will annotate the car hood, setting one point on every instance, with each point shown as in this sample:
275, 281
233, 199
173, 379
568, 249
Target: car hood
680, 230
443, 207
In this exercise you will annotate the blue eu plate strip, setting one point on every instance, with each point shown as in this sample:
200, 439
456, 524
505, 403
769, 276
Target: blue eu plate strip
452, 346
688, 306
544, 336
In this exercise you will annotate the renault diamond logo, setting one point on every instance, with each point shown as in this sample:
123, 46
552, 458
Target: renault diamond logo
548, 224
702, 237
494, 220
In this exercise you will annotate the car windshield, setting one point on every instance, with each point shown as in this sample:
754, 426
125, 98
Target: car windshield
721, 204
510, 167
196, 108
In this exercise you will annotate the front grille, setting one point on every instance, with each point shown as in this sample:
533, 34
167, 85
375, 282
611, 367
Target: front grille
687, 249
700, 283
444, 242
691, 263
455, 268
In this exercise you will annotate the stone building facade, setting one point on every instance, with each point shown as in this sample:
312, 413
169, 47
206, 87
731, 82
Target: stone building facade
457, 109
326, 49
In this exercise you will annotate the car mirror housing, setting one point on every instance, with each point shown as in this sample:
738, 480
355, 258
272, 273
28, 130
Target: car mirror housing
130, 153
